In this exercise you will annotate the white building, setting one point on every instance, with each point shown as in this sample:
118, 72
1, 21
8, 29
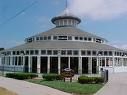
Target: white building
64, 46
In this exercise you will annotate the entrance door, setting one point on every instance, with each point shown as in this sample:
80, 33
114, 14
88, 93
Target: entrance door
85, 65
34, 64
54, 64
26, 64
74, 64
64, 62
44, 64
94, 65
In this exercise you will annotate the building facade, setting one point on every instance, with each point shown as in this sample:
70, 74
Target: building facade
64, 46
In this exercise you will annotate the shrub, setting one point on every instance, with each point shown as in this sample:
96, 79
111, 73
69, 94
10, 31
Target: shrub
89, 80
51, 77
21, 76
99, 80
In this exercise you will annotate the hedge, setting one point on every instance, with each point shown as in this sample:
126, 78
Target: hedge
51, 77
90, 80
21, 76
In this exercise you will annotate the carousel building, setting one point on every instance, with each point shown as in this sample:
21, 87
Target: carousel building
64, 46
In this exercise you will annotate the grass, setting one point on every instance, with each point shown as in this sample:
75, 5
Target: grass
73, 87
4, 91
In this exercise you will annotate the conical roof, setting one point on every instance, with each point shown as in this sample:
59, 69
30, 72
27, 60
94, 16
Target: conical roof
65, 45
67, 31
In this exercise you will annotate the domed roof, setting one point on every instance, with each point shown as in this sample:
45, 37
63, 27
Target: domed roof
66, 15
67, 31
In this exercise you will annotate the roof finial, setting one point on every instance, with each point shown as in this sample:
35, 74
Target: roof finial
66, 4
66, 9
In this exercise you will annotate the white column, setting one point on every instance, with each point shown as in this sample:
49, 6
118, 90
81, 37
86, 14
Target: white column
80, 66
38, 65
69, 65
97, 68
11, 60
48, 65
14, 63
125, 62
105, 61
116, 61
29, 64
59, 64
121, 61
113, 61
90, 65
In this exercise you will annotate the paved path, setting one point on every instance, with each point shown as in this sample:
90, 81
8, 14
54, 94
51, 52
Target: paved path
26, 88
117, 85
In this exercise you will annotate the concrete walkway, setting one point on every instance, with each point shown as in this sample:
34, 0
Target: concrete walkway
117, 85
26, 88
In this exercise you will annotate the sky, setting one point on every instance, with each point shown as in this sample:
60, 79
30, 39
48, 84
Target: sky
20, 19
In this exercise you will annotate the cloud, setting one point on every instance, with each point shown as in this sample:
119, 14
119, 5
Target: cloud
119, 45
98, 9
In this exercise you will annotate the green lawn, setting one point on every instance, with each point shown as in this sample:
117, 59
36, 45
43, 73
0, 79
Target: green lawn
74, 87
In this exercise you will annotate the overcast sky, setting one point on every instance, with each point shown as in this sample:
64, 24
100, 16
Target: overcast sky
23, 18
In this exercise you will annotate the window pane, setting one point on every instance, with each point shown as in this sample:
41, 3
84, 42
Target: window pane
105, 53
83, 52
37, 38
69, 52
31, 52
85, 38
36, 52
55, 52
18, 52
110, 53
89, 39
76, 38
94, 52
81, 38
43, 52
49, 52
41, 38
69, 38
45, 38
88, 52
27, 52
14, 52
55, 37
63, 52
49, 37
75, 52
